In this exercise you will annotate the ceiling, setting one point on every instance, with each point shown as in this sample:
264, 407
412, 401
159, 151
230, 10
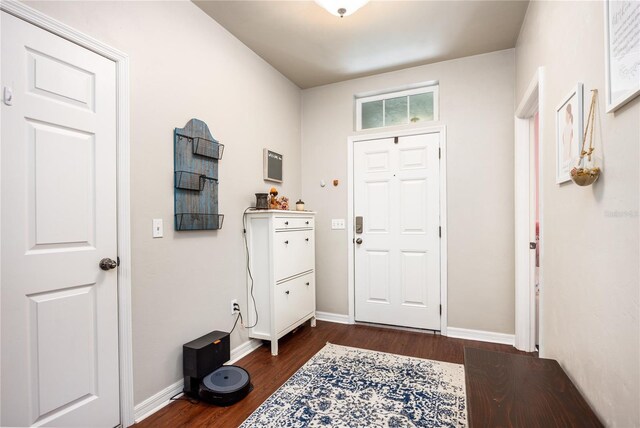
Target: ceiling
311, 47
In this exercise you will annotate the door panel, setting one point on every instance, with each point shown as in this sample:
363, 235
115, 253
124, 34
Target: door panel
60, 81
378, 205
56, 355
397, 265
414, 274
413, 206
63, 200
378, 280
58, 177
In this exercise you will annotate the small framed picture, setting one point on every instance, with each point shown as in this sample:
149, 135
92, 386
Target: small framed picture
569, 116
272, 166
622, 52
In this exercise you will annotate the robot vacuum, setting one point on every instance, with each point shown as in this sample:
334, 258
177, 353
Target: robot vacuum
225, 386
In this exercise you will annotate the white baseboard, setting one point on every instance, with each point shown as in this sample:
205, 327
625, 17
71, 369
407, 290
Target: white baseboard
157, 401
330, 317
480, 335
239, 352
161, 399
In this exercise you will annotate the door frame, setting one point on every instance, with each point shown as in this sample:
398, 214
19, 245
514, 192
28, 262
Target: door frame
121, 60
525, 314
439, 129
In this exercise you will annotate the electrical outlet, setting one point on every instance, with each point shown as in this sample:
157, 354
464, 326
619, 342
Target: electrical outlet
234, 306
337, 223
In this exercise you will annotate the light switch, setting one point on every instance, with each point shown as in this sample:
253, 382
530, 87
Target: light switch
337, 223
157, 228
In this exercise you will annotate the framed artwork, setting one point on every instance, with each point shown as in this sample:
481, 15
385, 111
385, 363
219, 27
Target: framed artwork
569, 116
272, 166
622, 52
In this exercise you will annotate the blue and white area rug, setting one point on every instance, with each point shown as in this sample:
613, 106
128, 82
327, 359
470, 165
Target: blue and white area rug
351, 387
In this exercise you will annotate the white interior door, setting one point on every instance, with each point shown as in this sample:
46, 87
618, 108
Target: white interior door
58, 220
397, 255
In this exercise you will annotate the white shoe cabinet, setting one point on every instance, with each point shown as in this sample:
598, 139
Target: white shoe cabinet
281, 247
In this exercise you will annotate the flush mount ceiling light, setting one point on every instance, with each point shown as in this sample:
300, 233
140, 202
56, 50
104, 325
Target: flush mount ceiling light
341, 8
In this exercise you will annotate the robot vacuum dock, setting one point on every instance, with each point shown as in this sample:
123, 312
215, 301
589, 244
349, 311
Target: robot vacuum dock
206, 378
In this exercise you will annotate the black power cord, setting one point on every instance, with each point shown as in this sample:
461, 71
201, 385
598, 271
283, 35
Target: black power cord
246, 247
184, 398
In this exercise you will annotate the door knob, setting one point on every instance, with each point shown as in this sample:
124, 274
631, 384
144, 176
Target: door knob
359, 241
108, 264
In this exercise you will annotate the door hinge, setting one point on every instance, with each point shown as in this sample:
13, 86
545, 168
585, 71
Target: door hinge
440, 309
439, 153
395, 140
439, 231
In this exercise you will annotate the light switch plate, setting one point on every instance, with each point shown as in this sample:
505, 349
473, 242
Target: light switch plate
158, 229
337, 223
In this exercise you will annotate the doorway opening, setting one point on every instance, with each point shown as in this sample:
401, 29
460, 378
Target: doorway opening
529, 240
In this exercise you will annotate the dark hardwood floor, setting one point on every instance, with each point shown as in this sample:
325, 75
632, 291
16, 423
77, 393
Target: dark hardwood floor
505, 390
268, 373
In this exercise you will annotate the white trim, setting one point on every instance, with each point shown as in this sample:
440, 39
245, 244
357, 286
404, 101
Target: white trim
163, 397
444, 237
442, 130
121, 60
397, 89
331, 317
157, 401
481, 336
529, 104
525, 320
241, 351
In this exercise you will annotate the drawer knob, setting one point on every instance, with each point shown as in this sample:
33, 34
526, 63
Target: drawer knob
286, 292
307, 239
286, 223
286, 242
307, 222
308, 283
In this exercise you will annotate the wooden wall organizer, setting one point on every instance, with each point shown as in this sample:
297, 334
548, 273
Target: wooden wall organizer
195, 161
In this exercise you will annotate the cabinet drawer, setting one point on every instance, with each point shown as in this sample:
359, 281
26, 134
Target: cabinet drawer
286, 223
294, 299
293, 253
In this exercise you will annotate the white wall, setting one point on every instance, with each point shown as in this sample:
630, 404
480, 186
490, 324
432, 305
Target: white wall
476, 105
590, 265
184, 65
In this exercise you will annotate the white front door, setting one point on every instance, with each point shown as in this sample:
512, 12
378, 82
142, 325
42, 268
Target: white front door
58, 220
397, 253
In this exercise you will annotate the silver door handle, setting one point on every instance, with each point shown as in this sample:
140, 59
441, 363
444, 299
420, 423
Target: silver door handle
359, 241
108, 264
